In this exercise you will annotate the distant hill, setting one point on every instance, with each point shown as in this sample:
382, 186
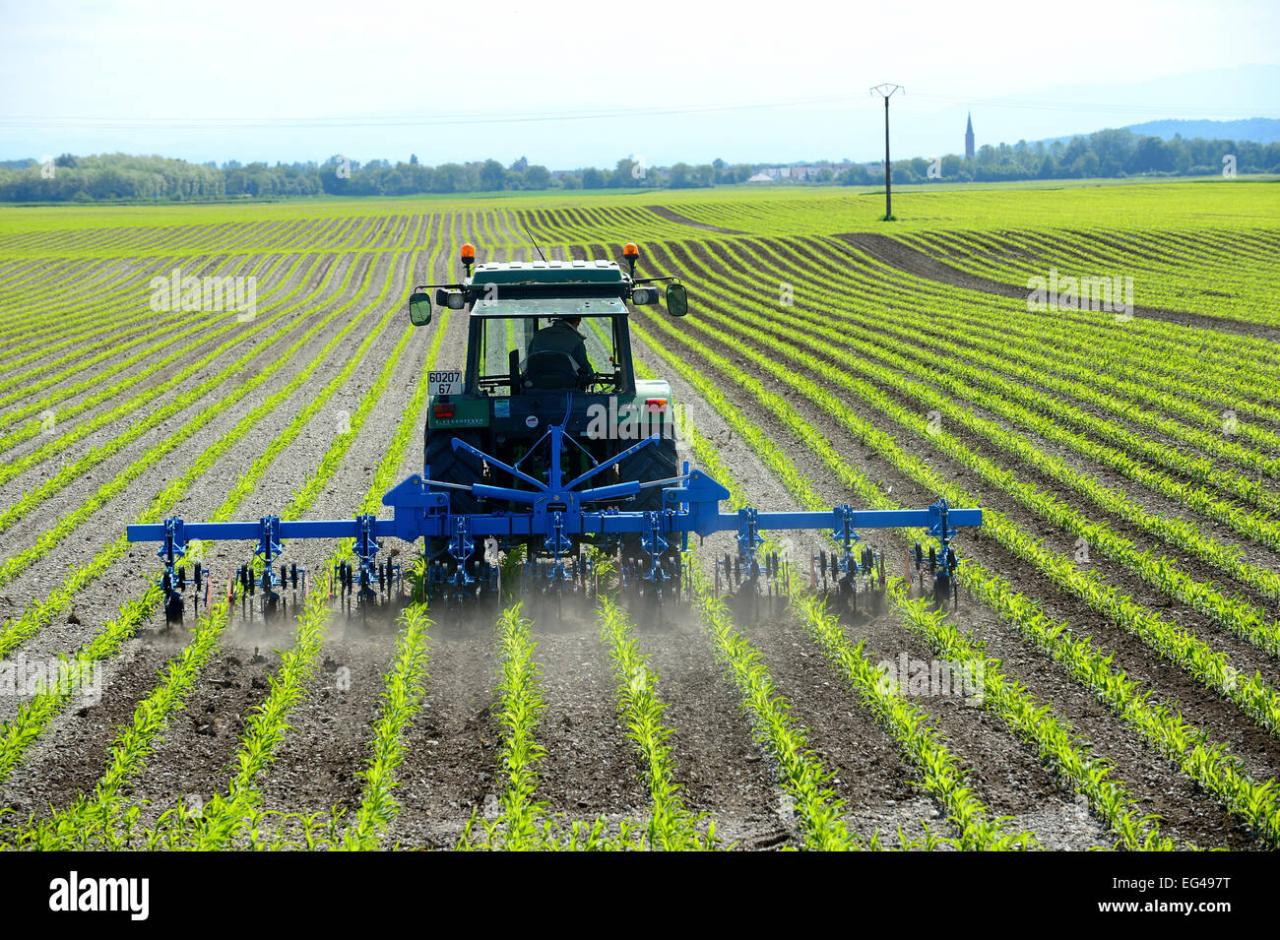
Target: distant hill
1254, 130
1258, 130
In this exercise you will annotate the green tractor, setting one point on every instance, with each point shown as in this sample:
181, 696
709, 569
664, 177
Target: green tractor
523, 375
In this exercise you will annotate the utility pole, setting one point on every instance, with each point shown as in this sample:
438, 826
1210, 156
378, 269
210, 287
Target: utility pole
886, 91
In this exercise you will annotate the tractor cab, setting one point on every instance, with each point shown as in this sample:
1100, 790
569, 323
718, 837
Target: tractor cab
522, 341
548, 344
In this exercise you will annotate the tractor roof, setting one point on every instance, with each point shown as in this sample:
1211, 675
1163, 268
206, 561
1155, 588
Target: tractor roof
542, 307
548, 288
548, 272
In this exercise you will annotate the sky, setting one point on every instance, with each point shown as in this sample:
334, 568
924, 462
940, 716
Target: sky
564, 86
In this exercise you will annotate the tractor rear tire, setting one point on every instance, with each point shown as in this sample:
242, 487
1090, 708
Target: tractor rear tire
655, 462
450, 466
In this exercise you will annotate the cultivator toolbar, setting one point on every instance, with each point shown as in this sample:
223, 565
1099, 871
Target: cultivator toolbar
552, 520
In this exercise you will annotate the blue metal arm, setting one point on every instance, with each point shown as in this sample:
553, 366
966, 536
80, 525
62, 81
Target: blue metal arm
557, 511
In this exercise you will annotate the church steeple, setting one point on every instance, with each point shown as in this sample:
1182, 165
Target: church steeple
968, 139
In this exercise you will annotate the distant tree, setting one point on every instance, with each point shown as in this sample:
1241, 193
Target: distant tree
492, 176
449, 178
537, 177
1152, 155
628, 172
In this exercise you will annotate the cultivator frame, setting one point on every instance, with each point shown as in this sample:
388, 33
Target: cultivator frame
556, 516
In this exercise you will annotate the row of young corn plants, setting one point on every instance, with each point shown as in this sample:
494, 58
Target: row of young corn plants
69, 472
403, 691
1253, 695
41, 612
61, 299
223, 819
96, 318
102, 816
405, 683
1095, 375
672, 826
69, 399
52, 536
1208, 763
1242, 618
65, 403
523, 823
945, 356
801, 772
1117, 364
111, 351
1170, 282
49, 699
227, 816
33, 717
941, 775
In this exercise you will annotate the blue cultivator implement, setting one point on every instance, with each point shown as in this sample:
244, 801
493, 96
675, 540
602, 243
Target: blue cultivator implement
500, 476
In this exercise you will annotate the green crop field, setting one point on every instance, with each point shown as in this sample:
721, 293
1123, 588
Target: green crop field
1095, 365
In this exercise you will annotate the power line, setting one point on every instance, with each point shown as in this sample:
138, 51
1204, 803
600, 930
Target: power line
221, 123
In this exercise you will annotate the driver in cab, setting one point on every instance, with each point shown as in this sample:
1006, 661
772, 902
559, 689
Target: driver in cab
561, 335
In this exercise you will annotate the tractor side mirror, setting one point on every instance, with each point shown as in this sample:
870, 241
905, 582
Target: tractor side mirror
453, 299
420, 308
677, 300
644, 296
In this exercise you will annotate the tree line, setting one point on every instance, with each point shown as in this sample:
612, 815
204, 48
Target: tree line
126, 178
1103, 154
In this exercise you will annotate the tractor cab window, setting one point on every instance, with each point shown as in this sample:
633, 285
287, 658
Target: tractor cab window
501, 337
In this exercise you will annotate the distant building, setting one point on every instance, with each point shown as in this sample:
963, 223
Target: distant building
968, 140
761, 178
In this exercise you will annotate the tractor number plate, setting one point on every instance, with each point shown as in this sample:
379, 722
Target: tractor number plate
446, 382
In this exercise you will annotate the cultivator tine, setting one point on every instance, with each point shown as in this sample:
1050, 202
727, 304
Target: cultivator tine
940, 564
818, 574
